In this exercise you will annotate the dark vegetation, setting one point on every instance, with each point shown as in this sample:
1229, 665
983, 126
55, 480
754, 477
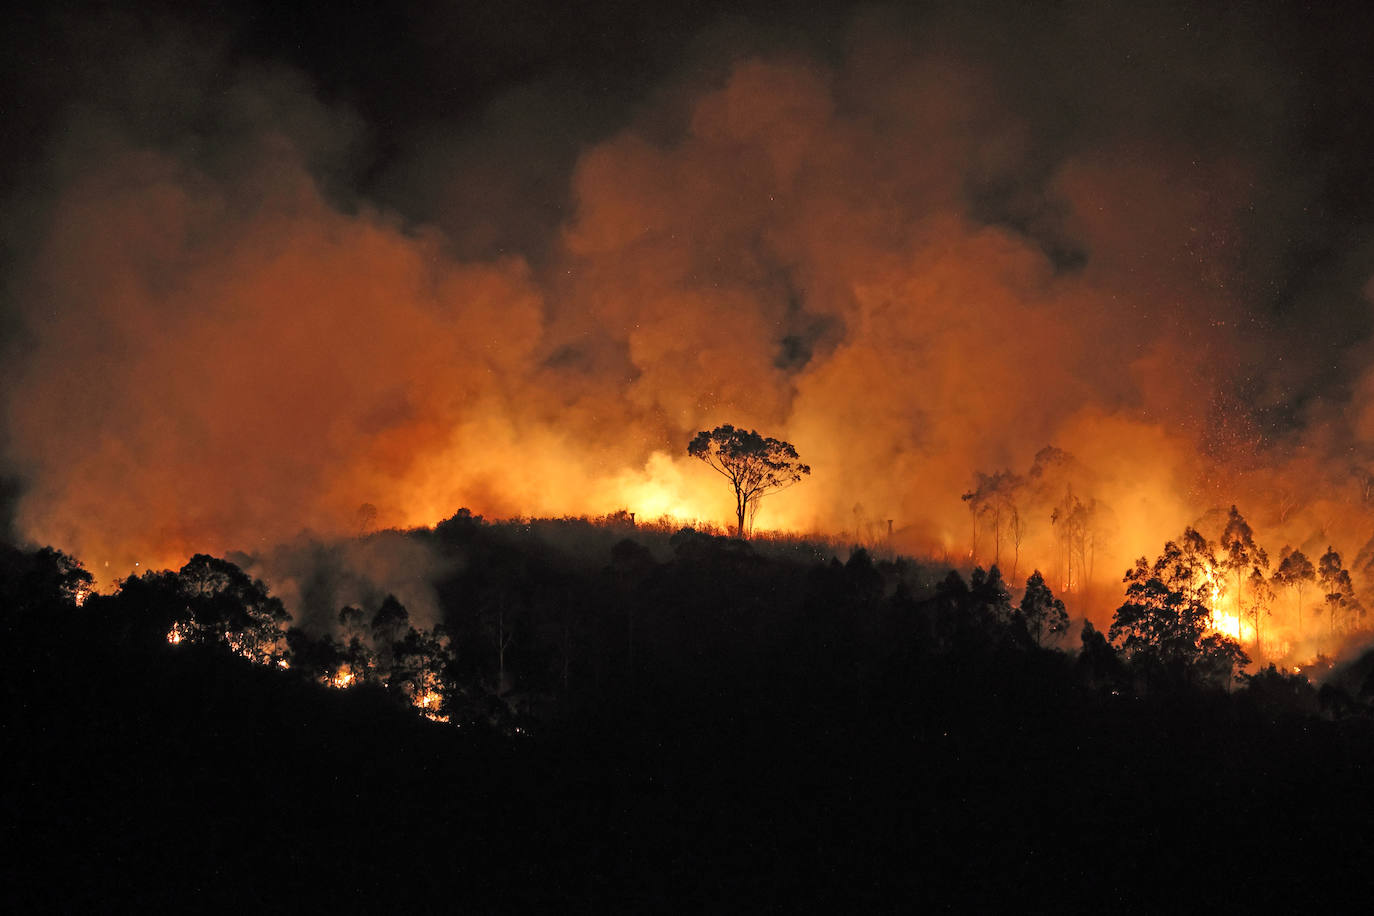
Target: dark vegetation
644, 720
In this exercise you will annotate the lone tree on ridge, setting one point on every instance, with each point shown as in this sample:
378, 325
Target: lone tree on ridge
754, 465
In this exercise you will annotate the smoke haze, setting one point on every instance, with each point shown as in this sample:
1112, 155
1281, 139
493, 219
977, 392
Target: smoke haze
245, 295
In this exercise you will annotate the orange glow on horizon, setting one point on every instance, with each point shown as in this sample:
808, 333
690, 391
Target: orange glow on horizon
276, 367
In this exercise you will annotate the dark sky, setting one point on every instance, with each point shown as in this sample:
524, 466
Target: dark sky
1285, 84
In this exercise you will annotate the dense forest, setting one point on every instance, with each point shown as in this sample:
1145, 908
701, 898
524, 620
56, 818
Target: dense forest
636, 717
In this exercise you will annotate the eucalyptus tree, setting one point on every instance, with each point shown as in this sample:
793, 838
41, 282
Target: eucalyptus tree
754, 465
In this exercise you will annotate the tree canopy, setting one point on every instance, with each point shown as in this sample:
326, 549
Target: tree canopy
755, 465
1164, 621
1335, 583
1043, 613
1295, 571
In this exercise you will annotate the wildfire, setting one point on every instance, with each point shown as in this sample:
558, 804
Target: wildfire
1218, 620
661, 490
1232, 626
428, 702
426, 693
1275, 647
1244, 633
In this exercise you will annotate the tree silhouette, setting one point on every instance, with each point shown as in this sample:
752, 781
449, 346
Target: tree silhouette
1242, 555
994, 498
1072, 521
389, 625
317, 657
499, 618
754, 465
1085, 527
1261, 597
1335, 584
990, 593
32, 583
1043, 613
1295, 571
390, 622
1017, 530
418, 660
1162, 623
1098, 663
148, 608
228, 606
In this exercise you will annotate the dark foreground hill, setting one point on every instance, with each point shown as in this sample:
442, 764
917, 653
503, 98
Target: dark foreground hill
790, 735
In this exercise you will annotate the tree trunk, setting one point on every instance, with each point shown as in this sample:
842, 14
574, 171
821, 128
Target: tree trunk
1092, 559
503, 641
1240, 612
1068, 574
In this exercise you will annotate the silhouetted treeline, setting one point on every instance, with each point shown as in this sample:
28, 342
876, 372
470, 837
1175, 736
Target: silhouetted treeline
650, 720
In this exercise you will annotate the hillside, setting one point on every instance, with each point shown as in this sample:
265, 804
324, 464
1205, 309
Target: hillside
782, 732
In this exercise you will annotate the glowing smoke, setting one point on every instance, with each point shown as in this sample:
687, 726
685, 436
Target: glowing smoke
879, 258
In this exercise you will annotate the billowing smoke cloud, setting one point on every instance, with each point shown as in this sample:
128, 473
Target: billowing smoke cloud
316, 577
926, 252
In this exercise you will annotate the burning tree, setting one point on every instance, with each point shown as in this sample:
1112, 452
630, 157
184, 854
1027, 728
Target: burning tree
1242, 557
1168, 610
1261, 597
754, 465
418, 660
1295, 571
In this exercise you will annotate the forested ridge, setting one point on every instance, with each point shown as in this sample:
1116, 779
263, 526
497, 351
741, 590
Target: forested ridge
634, 718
